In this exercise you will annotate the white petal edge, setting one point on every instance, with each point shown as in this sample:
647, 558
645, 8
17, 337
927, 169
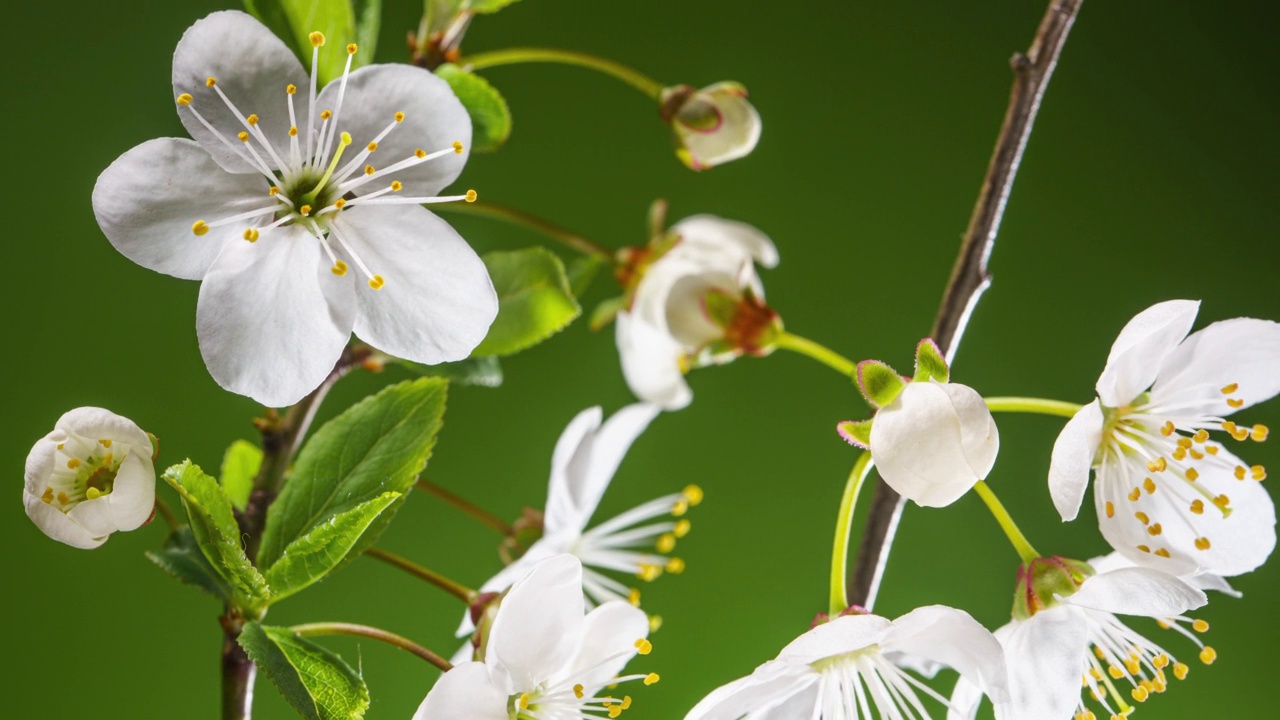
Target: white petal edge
1072, 459
1137, 591
839, 636
771, 684
712, 231
1242, 351
611, 444
651, 363
538, 626
951, 637
609, 639
569, 462
1141, 347
55, 524
464, 693
133, 499
1045, 656
102, 424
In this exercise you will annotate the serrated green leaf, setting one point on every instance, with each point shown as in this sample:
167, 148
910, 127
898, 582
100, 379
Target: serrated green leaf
316, 682
485, 7
582, 271
481, 371
314, 555
181, 558
215, 531
879, 383
240, 464
534, 300
930, 363
376, 446
490, 116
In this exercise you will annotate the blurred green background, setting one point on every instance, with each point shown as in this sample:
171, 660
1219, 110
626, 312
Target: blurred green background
1152, 175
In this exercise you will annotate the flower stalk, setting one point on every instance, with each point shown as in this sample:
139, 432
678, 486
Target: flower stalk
565, 237
1039, 406
512, 56
1010, 528
166, 512
824, 355
844, 526
484, 516
373, 633
463, 593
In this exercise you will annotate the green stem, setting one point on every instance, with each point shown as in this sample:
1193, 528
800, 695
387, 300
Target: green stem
826, 356
390, 638
166, 512
463, 593
1032, 405
1007, 524
532, 222
844, 525
512, 56
465, 506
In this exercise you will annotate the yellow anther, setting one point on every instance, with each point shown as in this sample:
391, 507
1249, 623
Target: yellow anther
1179, 453
305, 210
1184, 442
578, 691
643, 646
1258, 472
293, 131
626, 702
63, 498
693, 494
1195, 454
1167, 429
210, 81
1229, 426
1097, 652
251, 234
62, 446
1137, 493
185, 99
682, 528
655, 622
1222, 501
680, 508
316, 38
1180, 670
376, 282
524, 701
47, 497
291, 88
666, 543
1201, 436
651, 678
244, 136
1235, 403
1155, 529
274, 191
372, 147
369, 170
1144, 548
399, 117
649, 573
326, 114
252, 120
345, 138
74, 463
352, 48
1149, 485
106, 443
1132, 665
339, 203
1142, 517
1197, 506
1163, 552
471, 196
1211, 449
1139, 693
1240, 472
1202, 543
199, 227
1200, 626
675, 566
1241, 434
633, 597
457, 147
339, 268
615, 711
1208, 655
1160, 661
419, 153
1115, 672
92, 493
1111, 509
1193, 474
396, 186
1157, 465
108, 459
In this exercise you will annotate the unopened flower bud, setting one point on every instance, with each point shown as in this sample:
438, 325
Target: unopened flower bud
711, 126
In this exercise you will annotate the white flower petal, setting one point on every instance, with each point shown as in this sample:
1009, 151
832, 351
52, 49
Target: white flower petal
934, 441
539, 625
1073, 454
1137, 591
772, 683
1141, 347
569, 463
272, 319
252, 67
543, 548
434, 119
733, 137
712, 231
438, 301
966, 698
148, 199
610, 630
55, 524
101, 424
610, 445
841, 635
1243, 351
464, 693
955, 639
133, 498
1045, 655
651, 363
94, 516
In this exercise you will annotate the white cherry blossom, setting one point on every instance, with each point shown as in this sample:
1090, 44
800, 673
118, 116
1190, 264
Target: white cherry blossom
300, 210
713, 125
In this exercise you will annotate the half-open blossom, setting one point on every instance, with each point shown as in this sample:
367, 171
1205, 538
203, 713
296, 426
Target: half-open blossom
693, 299
850, 669
585, 459
713, 125
545, 660
932, 439
1066, 647
300, 212
1168, 492
91, 476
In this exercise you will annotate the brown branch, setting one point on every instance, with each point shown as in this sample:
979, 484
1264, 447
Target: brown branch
969, 278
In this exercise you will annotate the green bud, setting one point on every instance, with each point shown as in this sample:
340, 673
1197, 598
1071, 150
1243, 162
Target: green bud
879, 383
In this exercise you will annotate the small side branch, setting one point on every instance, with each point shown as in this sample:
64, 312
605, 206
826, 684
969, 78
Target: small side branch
969, 278
373, 633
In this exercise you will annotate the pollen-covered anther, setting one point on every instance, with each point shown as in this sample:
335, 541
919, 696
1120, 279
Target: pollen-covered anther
1179, 453
1192, 474
376, 282
1163, 552
1197, 506
47, 497
524, 701
244, 136
369, 170
274, 191
1167, 429
651, 679
1208, 655
579, 691
316, 38
471, 196
251, 234
1241, 471
293, 131
199, 227
252, 120
633, 597
1259, 433
399, 117
682, 528
1142, 517
352, 48
457, 147
339, 203
1155, 529
1184, 442
649, 573
1202, 543
326, 114
655, 623
693, 494
1200, 625
372, 147
210, 81
666, 543
1235, 403
291, 88
184, 99
1135, 494
419, 153
304, 210
339, 268
1158, 465
1201, 436
1149, 485
1222, 501
73, 463
1111, 509
643, 646
1180, 670
1258, 472
675, 566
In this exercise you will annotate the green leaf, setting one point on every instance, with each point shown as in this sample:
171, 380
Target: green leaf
240, 464
490, 116
316, 682
606, 311
481, 371
534, 300
582, 271
856, 432
368, 23
376, 446
879, 383
930, 363
314, 555
485, 7
215, 531
294, 21
181, 558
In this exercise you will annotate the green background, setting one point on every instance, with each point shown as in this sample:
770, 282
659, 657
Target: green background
1152, 175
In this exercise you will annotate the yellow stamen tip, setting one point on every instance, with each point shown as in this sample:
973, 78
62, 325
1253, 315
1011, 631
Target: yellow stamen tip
373, 147
369, 170
693, 494
675, 566
1197, 506
316, 38
1180, 670
244, 136
682, 528
199, 227
1111, 509
651, 679
1202, 543
1208, 655
47, 497
1200, 626
293, 131
471, 196
251, 234
376, 282
352, 48
419, 153
1260, 433
643, 646
274, 191
524, 701
655, 622
1163, 552
184, 99
92, 493
399, 117
1235, 403
305, 210
346, 138
291, 89
615, 711
105, 443
1155, 529
457, 147
252, 120
210, 81
579, 691
1149, 485
339, 203
339, 268
63, 498
73, 463
396, 186
633, 597
1193, 474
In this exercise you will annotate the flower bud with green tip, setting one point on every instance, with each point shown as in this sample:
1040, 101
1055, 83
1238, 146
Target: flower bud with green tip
711, 126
